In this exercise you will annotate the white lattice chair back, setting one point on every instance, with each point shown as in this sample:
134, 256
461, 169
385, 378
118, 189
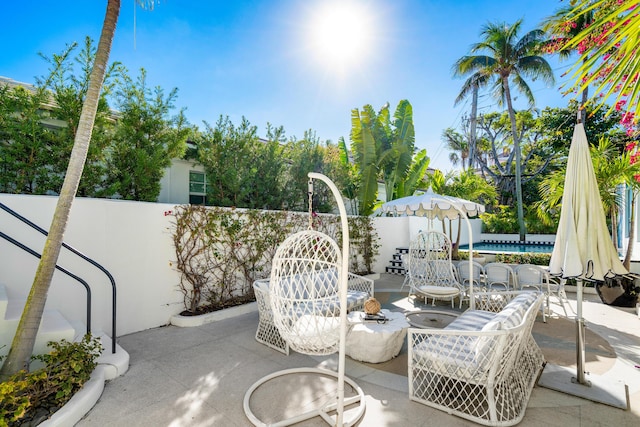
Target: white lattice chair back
304, 292
475, 273
430, 258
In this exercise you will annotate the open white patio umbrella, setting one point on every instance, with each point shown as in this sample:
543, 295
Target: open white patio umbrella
583, 248
432, 205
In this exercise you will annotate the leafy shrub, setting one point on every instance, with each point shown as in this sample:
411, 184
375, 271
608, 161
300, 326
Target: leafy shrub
220, 252
464, 255
66, 368
504, 220
524, 258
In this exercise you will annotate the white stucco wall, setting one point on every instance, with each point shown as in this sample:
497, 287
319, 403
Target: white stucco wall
130, 239
133, 241
397, 232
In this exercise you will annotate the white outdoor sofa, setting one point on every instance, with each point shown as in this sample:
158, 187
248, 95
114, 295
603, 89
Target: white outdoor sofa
482, 366
359, 289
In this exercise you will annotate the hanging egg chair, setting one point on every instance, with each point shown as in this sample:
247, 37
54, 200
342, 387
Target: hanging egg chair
308, 294
304, 292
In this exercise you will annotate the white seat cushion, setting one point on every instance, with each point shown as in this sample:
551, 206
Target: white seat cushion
439, 290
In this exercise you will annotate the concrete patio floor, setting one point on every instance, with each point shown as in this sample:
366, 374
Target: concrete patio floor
198, 377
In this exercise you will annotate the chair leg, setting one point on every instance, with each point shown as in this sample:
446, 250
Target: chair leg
405, 282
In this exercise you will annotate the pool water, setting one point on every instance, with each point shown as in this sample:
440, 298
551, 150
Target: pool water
490, 247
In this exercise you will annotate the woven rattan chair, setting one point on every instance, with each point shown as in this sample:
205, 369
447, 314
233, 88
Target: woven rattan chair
430, 270
471, 275
499, 276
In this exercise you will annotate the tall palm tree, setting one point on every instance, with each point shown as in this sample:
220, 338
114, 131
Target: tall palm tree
471, 85
25, 337
508, 59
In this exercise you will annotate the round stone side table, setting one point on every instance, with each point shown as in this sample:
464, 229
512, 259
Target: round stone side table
373, 342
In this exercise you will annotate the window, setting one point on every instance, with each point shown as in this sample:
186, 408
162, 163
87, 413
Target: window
197, 188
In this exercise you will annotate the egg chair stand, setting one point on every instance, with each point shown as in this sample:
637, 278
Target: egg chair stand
308, 271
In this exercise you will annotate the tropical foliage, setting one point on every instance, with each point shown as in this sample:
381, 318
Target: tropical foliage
246, 171
508, 60
469, 186
612, 169
66, 369
145, 140
384, 149
608, 49
129, 150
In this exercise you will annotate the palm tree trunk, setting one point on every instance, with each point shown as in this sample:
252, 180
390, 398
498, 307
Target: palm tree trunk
25, 337
474, 118
632, 232
583, 102
516, 147
583, 111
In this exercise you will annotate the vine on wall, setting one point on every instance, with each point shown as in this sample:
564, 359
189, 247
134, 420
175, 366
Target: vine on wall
220, 252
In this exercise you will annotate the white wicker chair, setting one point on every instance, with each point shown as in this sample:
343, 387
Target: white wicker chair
430, 270
468, 275
499, 276
532, 277
482, 368
359, 290
308, 296
267, 333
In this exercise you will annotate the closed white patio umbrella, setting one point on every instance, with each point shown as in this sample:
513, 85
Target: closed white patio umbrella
583, 248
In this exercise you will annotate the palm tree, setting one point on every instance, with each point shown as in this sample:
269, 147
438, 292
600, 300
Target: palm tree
471, 85
611, 60
508, 58
459, 146
24, 339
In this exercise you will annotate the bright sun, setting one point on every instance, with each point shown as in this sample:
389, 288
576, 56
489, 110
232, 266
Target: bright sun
340, 33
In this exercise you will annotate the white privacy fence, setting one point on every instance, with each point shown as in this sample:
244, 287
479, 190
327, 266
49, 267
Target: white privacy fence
133, 241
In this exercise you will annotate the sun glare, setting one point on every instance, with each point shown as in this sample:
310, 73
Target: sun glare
341, 33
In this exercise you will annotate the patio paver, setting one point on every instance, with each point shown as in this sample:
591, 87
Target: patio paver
198, 377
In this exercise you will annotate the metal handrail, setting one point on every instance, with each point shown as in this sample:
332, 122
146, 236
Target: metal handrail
62, 269
84, 257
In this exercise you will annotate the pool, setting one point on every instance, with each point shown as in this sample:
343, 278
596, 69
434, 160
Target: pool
513, 247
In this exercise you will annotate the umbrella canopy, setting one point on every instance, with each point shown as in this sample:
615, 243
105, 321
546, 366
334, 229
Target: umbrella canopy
583, 247
432, 205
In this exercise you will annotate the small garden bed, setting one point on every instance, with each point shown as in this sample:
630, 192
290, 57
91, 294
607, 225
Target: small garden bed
210, 308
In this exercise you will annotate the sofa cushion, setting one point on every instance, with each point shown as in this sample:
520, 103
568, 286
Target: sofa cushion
484, 344
311, 284
471, 320
330, 305
310, 334
512, 313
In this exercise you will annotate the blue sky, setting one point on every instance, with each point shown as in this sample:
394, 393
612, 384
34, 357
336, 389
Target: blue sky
258, 59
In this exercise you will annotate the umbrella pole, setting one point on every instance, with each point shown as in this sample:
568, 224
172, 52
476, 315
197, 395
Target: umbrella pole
580, 378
